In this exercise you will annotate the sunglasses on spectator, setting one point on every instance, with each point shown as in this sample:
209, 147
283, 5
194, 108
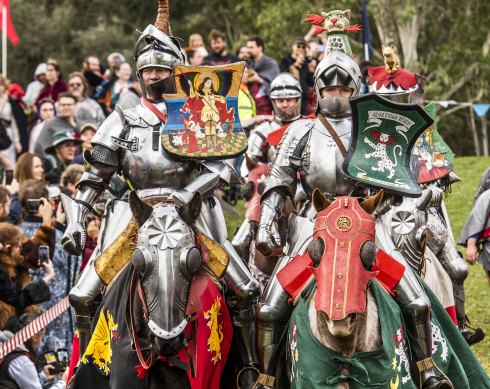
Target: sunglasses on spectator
301, 46
75, 85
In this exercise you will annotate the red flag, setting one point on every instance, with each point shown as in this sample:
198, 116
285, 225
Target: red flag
11, 34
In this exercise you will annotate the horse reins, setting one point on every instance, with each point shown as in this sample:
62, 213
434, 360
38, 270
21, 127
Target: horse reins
146, 313
135, 279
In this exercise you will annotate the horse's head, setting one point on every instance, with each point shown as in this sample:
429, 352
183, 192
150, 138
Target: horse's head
343, 251
166, 258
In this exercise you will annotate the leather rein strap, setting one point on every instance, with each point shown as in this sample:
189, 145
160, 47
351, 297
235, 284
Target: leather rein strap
333, 134
147, 364
135, 279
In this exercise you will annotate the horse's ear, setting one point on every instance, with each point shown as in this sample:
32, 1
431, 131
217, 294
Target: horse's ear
371, 203
191, 211
140, 209
320, 201
250, 163
424, 200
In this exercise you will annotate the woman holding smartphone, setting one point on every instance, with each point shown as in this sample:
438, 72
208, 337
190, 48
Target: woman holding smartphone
29, 166
19, 369
17, 291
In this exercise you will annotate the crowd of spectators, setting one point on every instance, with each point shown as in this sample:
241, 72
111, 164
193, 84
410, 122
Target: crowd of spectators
47, 128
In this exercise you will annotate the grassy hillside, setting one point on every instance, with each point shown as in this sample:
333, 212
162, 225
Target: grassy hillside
459, 203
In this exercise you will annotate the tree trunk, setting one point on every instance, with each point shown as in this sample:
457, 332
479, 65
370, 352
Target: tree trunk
474, 132
409, 34
385, 24
484, 133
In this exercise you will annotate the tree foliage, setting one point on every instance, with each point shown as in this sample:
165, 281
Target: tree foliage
444, 41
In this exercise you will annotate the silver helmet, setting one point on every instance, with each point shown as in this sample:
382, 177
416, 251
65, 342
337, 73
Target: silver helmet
285, 86
336, 69
155, 49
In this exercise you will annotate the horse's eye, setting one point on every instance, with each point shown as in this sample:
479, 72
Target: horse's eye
139, 261
248, 190
368, 254
190, 260
316, 249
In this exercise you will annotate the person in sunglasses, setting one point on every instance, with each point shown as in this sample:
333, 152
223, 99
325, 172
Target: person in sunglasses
301, 67
87, 110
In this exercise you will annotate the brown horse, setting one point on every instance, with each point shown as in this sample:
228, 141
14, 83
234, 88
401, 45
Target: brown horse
357, 331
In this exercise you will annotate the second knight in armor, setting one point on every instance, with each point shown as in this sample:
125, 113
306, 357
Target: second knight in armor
315, 150
285, 94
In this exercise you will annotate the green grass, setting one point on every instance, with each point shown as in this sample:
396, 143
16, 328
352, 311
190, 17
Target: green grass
459, 203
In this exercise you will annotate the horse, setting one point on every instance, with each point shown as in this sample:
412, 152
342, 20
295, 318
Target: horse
168, 318
346, 331
340, 313
356, 331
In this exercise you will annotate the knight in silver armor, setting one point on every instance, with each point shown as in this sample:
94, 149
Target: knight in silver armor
285, 95
439, 238
316, 150
128, 142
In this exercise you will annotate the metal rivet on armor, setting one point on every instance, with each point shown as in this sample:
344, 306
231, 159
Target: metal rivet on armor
346, 202
342, 244
339, 275
338, 290
337, 306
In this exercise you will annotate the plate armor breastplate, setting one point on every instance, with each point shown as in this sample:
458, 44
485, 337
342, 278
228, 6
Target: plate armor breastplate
322, 159
150, 166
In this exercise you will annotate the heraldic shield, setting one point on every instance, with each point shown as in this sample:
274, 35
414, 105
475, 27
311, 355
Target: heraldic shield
202, 117
383, 135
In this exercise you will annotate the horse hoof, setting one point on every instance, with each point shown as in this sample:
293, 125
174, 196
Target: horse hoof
247, 377
438, 383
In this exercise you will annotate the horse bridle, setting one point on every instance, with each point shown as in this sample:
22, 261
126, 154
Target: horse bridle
146, 364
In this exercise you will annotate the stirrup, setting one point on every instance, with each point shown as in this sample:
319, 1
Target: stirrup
433, 382
265, 380
242, 370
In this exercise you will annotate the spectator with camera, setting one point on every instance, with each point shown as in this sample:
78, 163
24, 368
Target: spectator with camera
17, 255
19, 369
60, 332
302, 68
28, 166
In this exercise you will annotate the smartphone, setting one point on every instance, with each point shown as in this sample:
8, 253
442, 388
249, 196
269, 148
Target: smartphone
52, 359
33, 205
63, 358
43, 254
9, 176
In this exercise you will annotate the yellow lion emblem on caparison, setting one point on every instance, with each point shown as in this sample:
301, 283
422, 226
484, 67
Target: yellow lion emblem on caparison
216, 330
99, 347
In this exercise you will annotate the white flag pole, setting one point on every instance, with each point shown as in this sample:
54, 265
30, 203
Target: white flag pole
4, 40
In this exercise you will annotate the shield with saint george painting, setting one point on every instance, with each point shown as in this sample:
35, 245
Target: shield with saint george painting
202, 117
383, 136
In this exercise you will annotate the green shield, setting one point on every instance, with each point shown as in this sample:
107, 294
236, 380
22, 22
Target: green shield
383, 135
